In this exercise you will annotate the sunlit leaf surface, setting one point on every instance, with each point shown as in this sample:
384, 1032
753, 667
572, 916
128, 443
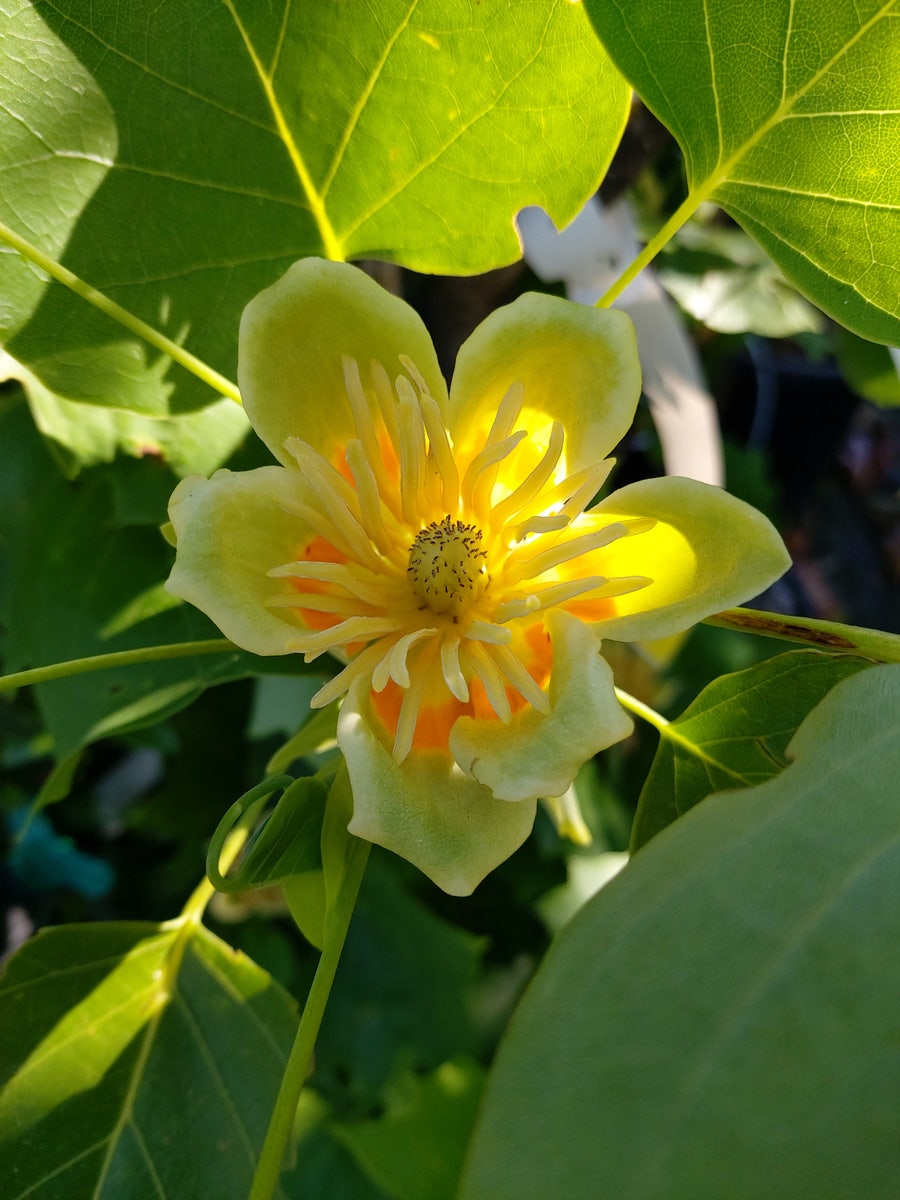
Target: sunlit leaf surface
195, 150
789, 117
138, 1061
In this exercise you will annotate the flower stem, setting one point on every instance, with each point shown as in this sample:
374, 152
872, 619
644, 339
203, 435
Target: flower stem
120, 658
63, 275
268, 1169
823, 635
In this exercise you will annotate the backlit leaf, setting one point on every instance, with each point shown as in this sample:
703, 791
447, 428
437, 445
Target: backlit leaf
789, 118
138, 1061
215, 144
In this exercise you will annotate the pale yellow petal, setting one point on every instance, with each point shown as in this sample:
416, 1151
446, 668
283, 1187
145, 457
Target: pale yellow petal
231, 530
707, 551
579, 365
426, 810
293, 338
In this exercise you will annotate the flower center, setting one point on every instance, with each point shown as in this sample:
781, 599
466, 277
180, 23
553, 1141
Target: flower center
447, 569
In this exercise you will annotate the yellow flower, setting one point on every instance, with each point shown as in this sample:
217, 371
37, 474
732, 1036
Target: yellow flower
444, 548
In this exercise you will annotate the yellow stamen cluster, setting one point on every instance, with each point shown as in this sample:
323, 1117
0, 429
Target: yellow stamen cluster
439, 563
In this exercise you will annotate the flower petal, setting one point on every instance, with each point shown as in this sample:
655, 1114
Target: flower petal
232, 529
426, 810
293, 336
707, 551
536, 755
579, 366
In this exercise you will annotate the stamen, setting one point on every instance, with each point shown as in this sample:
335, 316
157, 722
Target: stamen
482, 631
320, 525
336, 495
451, 670
346, 575
412, 450
413, 371
412, 702
585, 484
319, 602
361, 410
521, 679
587, 489
443, 454
399, 668
480, 469
360, 665
387, 402
576, 547
593, 588
532, 484
507, 412
542, 525
368, 496
491, 679
356, 629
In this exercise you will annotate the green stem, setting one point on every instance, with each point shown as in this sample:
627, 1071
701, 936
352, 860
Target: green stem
268, 1169
681, 214
823, 635
62, 275
642, 710
121, 658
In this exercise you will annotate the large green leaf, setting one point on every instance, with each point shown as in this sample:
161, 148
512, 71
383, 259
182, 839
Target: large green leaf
435, 1114
138, 1061
82, 435
789, 118
721, 1021
735, 734
74, 583
249, 135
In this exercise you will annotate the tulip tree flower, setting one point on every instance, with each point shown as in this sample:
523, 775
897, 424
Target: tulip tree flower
444, 548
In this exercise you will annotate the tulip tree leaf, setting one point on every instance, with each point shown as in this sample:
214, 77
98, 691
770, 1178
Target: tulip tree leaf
224, 141
870, 370
735, 734
789, 118
82, 435
138, 1060
721, 1019
77, 584
435, 1114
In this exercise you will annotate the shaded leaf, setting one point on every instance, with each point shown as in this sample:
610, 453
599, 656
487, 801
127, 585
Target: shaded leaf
789, 119
247, 136
721, 1020
726, 280
434, 1114
869, 369
735, 734
81, 435
139, 1060
402, 995
74, 584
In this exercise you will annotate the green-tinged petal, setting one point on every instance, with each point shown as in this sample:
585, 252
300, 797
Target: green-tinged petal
707, 551
230, 530
426, 810
537, 755
293, 338
579, 366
